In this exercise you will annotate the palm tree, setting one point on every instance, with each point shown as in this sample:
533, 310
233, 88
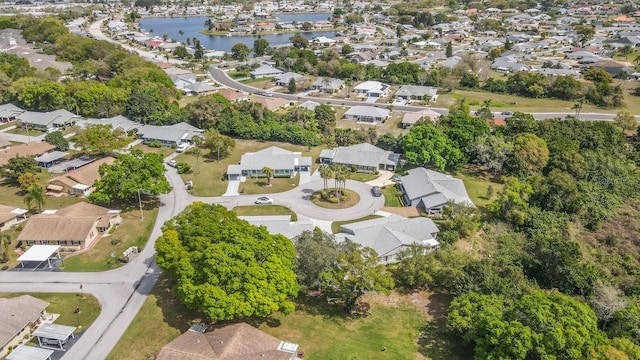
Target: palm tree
5, 239
196, 152
325, 173
181, 33
269, 173
577, 106
72, 104
35, 194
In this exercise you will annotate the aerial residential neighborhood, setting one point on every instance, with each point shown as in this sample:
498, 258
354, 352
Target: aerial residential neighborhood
319, 180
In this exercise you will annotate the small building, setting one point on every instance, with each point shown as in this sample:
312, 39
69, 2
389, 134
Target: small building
310, 105
49, 159
327, 85
60, 119
32, 149
368, 114
10, 216
18, 316
74, 227
233, 95
265, 71
271, 103
54, 335
371, 89
283, 79
431, 191
284, 163
228, 342
38, 254
9, 113
409, 119
362, 157
26, 352
172, 135
416, 92
390, 236
78, 182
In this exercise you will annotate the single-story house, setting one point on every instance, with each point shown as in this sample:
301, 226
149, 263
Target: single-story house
417, 92
507, 66
199, 88
11, 216
284, 163
409, 119
265, 71
228, 342
364, 157
232, 95
172, 135
9, 112
310, 105
430, 190
116, 122
283, 79
367, 114
78, 182
33, 149
391, 235
280, 224
371, 89
323, 41
74, 227
18, 315
271, 103
327, 85
47, 120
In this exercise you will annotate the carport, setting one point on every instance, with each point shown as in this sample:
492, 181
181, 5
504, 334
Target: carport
54, 335
24, 352
47, 160
40, 254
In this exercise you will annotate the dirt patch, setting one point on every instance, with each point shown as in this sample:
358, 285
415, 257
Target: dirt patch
407, 211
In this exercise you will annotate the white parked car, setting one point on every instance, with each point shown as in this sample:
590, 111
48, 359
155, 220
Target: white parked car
172, 163
182, 147
264, 200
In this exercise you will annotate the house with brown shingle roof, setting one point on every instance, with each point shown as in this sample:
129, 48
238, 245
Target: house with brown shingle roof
18, 316
74, 227
270, 103
233, 95
10, 216
79, 182
228, 342
33, 149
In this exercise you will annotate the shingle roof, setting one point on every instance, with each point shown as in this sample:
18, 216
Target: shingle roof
9, 110
363, 154
274, 158
28, 149
434, 188
9, 212
367, 111
85, 175
226, 342
16, 313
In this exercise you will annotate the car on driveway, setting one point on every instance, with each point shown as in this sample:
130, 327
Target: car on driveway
172, 163
264, 200
376, 191
507, 113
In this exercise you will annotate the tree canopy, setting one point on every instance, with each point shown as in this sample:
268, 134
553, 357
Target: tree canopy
225, 267
100, 139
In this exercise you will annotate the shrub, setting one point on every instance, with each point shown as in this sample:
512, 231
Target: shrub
154, 144
123, 259
116, 241
333, 200
344, 198
5, 267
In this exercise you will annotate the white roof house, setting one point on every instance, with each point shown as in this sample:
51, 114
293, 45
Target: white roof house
265, 71
169, 135
367, 114
390, 236
327, 85
371, 89
283, 163
9, 112
431, 190
407, 92
283, 79
365, 157
47, 120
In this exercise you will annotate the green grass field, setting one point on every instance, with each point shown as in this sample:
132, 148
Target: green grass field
65, 304
262, 210
259, 185
477, 182
391, 196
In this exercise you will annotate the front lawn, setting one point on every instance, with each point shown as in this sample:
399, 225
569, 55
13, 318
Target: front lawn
132, 232
363, 177
65, 304
11, 194
259, 185
209, 177
264, 210
395, 322
477, 182
392, 196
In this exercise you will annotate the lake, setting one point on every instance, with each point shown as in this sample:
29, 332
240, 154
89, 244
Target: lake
191, 25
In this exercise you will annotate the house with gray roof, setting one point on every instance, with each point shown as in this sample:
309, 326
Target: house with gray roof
327, 85
391, 236
283, 79
284, 163
417, 92
9, 112
363, 157
431, 190
199, 88
116, 122
368, 114
506, 66
265, 71
48, 120
172, 135
280, 224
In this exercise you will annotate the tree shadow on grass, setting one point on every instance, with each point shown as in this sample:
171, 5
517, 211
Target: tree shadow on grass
435, 341
174, 312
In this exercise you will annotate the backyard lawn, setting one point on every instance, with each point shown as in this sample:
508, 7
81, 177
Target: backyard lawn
396, 322
209, 176
65, 304
132, 232
263, 210
335, 226
392, 196
477, 182
11, 194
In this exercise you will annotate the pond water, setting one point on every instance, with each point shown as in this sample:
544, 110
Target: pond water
191, 25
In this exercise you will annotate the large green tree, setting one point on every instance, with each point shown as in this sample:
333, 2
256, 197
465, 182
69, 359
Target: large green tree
19, 165
530, 154
129, 175
539, 325
205, 110
100, 139
355, 272
225, 267
316, 252
425, 144
57, 139
260, 46
218, 144
240, 51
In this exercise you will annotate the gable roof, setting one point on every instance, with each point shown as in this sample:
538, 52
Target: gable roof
228, 342
416, 90
367, 111
434, 188
363, 154
172, 133
16, 313
9, 110
270, 103
10, 212
86, 175
27, 149
273, 157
